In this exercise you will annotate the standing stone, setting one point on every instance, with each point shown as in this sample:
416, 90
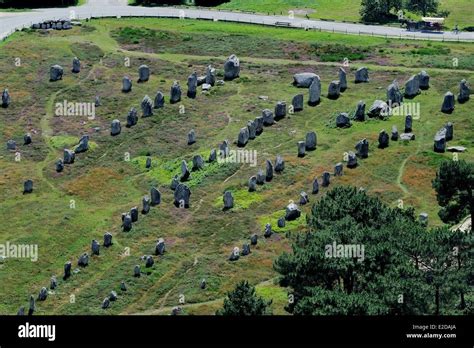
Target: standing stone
269, 171
143, 73
408, 124
107, 239
159, 100
136, 271
245, 249
11, 144
53, 283
21, 311
338, 168
43, 294
383, 139
440, 141
315, 186
304, 199
258, 125
424, 80
5, 98
28, 186
234, 256
412, 87
268, 231
326, 179
83, 145
232, 68
212, 156
132, 117
198, 162
202, 285
362, 75
182, 195
253, 184
83, 260
69, 156
174, 182
126, 84
279, 164
362, 148
379, 109
243, 137
449, 131
185, 173
311, 141
155, 196
175, 94
146, 205
301, 148
134, 214
280, 110
343, 120
76, 65
123, 287
191, 137
252, 127
298, 102
67, 270
95, 247
260, 177
464, 92
254, 239
32, 307
423, 219
115, 128
210, 75
342, 80
113, 296
97, 102
292, 212
394, 96
127, 222
192, 85
448, 103
315, 92
334, 90
149, 262
304, 80
147, 107
394, 133
201, 80
224, 149
56, 73
351, 160
228, 200
267, 117
105, 303
160, 247
360, 111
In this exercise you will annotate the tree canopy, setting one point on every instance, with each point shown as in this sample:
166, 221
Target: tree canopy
243, 301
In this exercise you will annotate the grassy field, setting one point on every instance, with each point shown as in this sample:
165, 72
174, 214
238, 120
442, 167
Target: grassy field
199, 240
345, 10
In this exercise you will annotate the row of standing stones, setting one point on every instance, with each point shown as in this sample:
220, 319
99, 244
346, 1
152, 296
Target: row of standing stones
182, 192
232, 69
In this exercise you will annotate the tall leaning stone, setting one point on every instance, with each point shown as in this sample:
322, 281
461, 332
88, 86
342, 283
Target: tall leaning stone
5, 98
315, 92
394, 96
155, 196
412, 87
192, 85
342, 79
243, 137
360, 111
268, 170
252, 127
232, 68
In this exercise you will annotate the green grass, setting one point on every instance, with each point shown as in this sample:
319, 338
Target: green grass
199, 240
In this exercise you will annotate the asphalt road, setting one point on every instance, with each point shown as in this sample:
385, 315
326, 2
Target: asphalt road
10, 21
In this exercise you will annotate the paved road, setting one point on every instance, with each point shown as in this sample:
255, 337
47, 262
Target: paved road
106, 8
